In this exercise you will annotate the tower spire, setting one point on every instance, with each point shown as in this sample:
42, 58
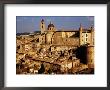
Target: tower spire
80, 27
80, 32
50, 22
42, 26
92, 26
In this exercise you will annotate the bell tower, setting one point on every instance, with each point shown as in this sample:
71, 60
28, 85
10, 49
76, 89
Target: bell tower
92, 35
80, 34
90, 56
42, 26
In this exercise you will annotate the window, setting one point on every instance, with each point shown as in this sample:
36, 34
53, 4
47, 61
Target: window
42, 26
91, 60
86, 35
86, 39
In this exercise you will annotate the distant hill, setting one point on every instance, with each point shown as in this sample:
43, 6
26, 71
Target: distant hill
26, 33
37, 31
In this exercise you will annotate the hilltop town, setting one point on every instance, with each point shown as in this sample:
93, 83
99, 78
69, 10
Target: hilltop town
53, 51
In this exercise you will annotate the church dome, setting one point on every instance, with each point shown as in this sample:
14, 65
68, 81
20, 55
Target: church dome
51, 27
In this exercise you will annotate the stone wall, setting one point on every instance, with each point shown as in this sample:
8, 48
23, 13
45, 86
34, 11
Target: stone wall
59, 38
90, 56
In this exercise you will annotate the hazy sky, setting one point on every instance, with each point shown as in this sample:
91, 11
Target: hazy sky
32, 23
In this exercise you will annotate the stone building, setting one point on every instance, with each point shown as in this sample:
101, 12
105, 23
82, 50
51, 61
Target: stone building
86, 36
66, 37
